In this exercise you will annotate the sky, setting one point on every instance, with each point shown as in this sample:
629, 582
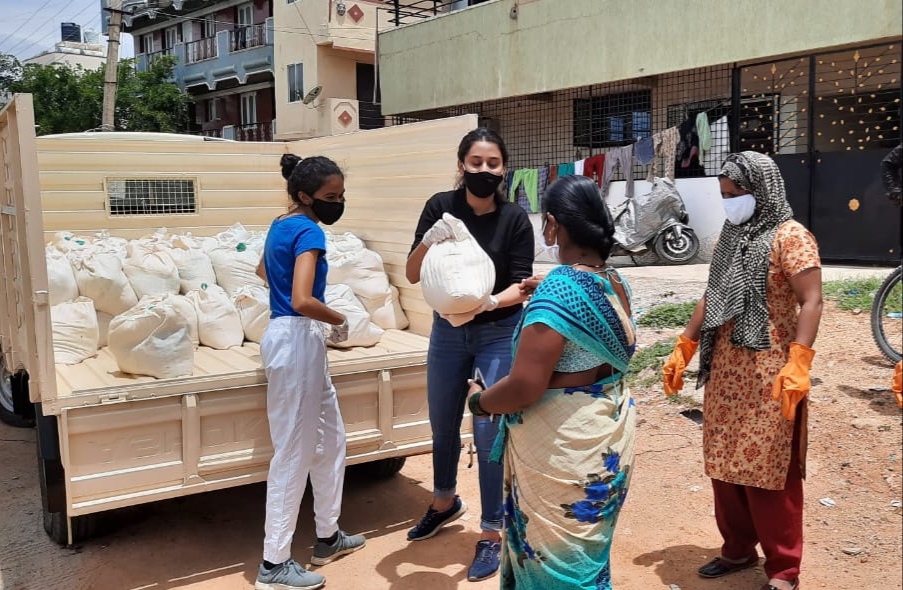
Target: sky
29, 27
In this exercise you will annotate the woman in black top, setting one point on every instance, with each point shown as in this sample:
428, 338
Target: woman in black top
483, 342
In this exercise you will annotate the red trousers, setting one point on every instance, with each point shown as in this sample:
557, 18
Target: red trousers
595, 164
773, 518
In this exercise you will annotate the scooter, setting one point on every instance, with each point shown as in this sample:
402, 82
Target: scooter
656, 222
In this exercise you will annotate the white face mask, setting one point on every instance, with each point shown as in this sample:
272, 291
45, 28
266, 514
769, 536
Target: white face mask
740, 209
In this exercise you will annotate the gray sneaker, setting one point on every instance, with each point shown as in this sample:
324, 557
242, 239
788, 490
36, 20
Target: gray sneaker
344, 544
288, 576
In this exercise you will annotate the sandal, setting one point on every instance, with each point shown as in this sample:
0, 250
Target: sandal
795, 586
720, 567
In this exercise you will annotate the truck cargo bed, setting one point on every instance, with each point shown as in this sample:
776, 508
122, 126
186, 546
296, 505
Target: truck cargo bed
101, 376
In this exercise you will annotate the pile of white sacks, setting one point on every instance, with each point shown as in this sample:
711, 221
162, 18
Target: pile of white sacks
156, 299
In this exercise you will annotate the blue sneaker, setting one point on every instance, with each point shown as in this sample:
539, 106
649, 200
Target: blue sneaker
433, 520
485, 561
287, 576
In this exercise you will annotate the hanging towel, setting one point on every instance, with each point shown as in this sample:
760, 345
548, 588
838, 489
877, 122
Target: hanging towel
595, 165
665, 153
553, 174
543, 180
705, 134
578, 167
565, 169
529, 177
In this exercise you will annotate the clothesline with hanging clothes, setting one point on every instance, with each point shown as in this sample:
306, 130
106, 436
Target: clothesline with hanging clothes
526, 186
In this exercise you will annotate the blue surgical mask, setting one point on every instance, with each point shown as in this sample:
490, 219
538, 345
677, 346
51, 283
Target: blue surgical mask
740, 209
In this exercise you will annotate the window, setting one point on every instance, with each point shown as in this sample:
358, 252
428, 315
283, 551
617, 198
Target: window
171, 36
211, 109
147, 43
295, 82
612, 120
208, 27
151, 196
249, 109
245, 15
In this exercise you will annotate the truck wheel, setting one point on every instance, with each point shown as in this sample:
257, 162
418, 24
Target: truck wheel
55, 525
382, 468
7, 406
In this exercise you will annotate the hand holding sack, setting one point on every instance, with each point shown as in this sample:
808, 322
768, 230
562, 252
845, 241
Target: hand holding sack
673, 370
792, 384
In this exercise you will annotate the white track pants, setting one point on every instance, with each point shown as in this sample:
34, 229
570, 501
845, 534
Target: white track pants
307, 432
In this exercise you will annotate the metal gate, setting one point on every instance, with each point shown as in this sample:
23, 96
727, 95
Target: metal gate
828, 120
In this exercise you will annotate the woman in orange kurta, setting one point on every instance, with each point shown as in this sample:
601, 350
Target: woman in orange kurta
755, 328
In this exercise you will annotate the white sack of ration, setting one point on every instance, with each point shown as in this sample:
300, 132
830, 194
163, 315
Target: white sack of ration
253, 305
74, 330
192, 263
457, 276
219, 324
352, 263
103, 328
183, 305
150, 269
152, 340
100, 277
361, 330
60, 277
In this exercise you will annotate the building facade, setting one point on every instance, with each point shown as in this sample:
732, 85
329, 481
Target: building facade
324, 65
224, 60
814, 84
76, 54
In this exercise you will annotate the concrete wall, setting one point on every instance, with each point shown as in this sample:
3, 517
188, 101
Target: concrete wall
481, 53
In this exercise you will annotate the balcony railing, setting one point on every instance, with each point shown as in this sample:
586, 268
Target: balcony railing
201, 50
247, 37
253, 132
152, 57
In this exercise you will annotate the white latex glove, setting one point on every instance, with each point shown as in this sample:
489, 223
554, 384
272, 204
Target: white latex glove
440, 232
459, 319
339, 333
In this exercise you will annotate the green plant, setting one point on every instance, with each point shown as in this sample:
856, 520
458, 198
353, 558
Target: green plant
857, 294
652, 358
668, 315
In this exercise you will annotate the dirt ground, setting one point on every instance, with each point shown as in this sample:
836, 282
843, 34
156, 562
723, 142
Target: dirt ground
667, 529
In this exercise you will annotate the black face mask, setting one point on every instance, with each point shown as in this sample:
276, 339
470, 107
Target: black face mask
327, 211
482, 184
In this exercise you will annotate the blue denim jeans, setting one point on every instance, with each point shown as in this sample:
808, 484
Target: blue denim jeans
454, 354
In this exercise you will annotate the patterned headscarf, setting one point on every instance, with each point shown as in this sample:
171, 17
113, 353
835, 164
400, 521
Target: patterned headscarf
739, 270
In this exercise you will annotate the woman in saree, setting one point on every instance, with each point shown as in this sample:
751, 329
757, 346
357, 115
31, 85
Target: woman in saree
567, 418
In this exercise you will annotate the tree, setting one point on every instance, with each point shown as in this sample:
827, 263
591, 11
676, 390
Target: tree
69, 99
10, 71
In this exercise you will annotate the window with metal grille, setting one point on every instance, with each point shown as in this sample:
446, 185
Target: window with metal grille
612, 120
151, 196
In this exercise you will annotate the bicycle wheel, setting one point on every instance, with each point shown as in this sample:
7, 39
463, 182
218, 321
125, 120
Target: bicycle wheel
887, 316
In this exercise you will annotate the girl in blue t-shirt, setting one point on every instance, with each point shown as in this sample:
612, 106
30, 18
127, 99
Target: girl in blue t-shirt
306, 427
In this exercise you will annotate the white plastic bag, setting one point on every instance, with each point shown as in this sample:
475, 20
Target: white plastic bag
74, 327
100, 278
219, 325
152, 340
253, 305
193, 264
361, 331
457, 276
150, 269
183, 306
60, 277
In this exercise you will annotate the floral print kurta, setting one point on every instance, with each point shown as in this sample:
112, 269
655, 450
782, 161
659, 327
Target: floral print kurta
746, 440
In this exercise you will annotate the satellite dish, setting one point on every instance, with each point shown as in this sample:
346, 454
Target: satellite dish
314, 93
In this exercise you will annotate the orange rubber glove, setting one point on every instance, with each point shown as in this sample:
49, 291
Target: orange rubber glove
897, 383
792, 384
673, 371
